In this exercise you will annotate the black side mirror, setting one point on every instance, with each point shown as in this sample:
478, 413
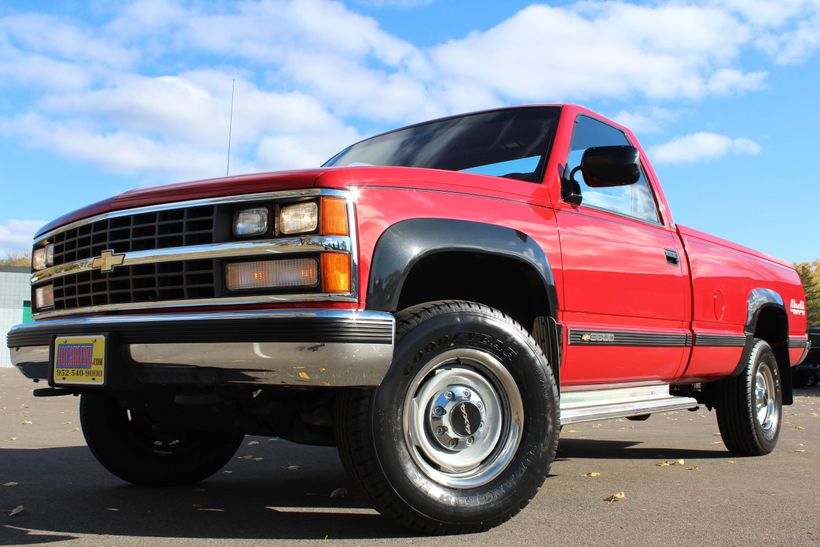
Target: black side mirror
605, 166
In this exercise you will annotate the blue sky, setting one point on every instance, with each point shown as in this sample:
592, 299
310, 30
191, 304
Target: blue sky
98, 97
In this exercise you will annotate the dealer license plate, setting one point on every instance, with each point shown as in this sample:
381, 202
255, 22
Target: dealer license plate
79, 360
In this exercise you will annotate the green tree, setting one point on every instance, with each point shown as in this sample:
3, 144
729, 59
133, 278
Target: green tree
809, 273
16, 259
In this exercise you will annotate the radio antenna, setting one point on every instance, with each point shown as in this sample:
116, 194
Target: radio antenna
230, 128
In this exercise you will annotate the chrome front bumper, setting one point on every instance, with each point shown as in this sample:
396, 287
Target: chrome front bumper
279, 347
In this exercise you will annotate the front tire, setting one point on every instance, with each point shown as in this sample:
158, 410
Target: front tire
462, 431
749, 406
130, 446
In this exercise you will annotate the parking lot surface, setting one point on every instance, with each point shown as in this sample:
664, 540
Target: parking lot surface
680, 486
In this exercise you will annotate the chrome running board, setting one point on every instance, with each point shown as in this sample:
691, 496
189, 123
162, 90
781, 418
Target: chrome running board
606, 404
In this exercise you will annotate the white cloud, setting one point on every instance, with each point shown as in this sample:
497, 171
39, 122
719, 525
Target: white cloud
646, 119
177, 127
394, 3
699, 147
602, 50
16, 235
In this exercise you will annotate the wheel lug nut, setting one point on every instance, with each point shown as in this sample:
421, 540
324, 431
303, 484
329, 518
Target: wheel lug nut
438, 411
481, 425
453, 443
466, 393
449, 395
441, 430
478, 405
470, 441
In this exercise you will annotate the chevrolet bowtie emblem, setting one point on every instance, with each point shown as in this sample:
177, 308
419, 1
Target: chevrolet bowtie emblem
107, 261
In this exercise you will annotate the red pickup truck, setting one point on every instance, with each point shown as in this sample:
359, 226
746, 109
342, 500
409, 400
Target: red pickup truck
436, 301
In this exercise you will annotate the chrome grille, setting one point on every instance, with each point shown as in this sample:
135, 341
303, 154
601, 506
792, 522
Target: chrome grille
144, 283
138, 232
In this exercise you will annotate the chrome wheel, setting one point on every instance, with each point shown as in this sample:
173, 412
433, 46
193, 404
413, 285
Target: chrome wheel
462, 418
765, 399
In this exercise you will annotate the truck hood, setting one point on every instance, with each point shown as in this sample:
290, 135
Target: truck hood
201, 189
333, 177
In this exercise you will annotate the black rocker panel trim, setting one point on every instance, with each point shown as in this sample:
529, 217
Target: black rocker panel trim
308, 330
403, 244
720, 340
801, 343
587, 337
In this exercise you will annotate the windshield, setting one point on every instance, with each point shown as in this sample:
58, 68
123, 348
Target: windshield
511, 143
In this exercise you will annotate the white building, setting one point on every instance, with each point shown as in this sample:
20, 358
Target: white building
15, 303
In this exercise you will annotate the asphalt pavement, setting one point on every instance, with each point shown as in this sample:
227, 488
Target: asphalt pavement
680, 487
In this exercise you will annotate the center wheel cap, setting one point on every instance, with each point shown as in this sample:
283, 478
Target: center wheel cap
457, 418
465, 419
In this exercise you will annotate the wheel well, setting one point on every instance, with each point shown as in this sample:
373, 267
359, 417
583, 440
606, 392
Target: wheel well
506, 284
773, 327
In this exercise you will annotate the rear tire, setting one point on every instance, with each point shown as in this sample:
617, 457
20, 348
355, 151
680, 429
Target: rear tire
461, 433
749, 406
128, 445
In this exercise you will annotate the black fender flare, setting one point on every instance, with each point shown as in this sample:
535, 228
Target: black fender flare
761, 299
404, 244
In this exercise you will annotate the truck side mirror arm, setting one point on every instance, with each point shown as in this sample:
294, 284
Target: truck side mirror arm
570, 189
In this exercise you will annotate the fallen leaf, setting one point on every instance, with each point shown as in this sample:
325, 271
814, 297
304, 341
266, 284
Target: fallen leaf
678, 462
592, 474
75, 429
245, 457
730, 461
662, 464
618, 496
252, 443
17, 510
338, 493
799, 427
10, 484
717, 442
258, 459
693, 468
27, 422
66, 423
572, 431
294, 467
800, 450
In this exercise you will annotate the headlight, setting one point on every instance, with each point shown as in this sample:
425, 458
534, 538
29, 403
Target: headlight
38, 259
299, 218
250, 222
44, 297
43, 257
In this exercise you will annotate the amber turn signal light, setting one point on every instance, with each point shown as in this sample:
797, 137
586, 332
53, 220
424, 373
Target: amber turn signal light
334, 217
336, 272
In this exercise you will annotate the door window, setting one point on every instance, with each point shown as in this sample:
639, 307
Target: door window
634, 200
